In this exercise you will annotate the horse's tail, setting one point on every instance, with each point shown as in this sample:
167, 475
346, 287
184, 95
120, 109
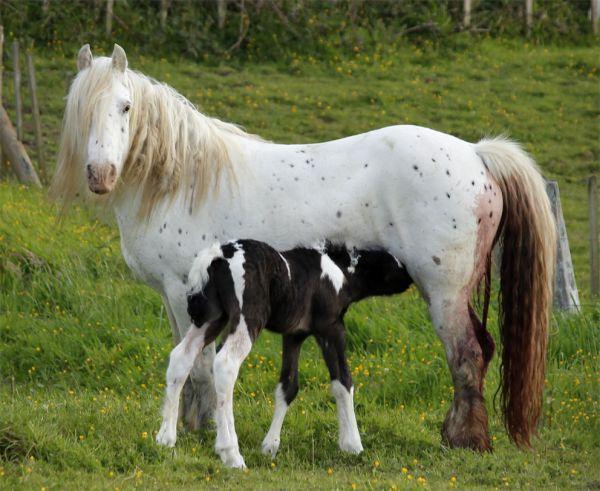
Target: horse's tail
526, 277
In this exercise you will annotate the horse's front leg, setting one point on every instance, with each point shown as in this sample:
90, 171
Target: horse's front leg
181, 361
199, 399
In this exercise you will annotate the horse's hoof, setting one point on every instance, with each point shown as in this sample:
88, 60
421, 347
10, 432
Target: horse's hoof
166, 436
353, 446
270, 447
232, 458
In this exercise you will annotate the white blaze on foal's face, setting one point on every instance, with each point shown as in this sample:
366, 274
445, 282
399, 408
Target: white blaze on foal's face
108, 140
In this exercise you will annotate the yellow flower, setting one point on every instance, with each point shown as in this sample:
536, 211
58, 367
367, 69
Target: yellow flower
330, 471
404, 470
144, 434
81, 437
376, 463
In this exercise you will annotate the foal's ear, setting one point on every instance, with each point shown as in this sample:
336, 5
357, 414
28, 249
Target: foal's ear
119, 59
84, 58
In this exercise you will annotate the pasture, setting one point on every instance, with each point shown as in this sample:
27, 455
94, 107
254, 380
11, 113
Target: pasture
83, 346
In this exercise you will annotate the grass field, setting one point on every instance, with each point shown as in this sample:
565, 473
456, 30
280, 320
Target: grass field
83, 347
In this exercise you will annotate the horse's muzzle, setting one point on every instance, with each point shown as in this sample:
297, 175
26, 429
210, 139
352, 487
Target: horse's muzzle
101, 177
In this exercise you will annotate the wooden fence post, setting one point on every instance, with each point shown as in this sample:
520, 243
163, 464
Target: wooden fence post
221, 13
35, 109
17, 80
2, 167
109, 16
595, 11
164, 9
466, 13
528, 16
594, 259
15, 152
566, 296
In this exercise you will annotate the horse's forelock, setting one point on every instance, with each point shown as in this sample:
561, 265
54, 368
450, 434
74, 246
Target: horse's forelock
84, 95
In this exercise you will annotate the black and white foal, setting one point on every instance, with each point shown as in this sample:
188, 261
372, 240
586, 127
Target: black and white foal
247, 286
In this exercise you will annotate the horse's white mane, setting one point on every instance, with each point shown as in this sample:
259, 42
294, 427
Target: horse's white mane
173, 147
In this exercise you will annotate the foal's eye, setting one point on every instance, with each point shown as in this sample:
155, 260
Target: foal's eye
126, 108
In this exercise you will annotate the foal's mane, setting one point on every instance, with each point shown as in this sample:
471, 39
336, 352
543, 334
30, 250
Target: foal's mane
172, 146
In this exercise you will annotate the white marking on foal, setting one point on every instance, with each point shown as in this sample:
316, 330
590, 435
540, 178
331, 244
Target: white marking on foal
236, 266
286, 265
226, 368
181, 362
349, 438
330, 270
198, 276
270, 444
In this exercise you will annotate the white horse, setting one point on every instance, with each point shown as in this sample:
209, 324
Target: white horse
177, 179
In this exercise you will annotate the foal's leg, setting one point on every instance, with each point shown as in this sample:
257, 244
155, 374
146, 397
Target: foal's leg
181, 361
226, 368
286, 391
333, 345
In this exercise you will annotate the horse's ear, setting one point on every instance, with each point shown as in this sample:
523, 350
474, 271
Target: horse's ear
84, 58
119, 59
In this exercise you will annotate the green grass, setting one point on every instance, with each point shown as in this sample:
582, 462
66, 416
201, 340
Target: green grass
83, 347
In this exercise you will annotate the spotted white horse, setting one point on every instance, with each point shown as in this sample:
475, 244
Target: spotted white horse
177, 179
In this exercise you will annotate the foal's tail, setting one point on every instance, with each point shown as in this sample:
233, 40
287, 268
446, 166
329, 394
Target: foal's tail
198, 276
204, 299
527, 276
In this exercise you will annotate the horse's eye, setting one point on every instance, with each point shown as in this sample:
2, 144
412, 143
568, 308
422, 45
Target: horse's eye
127, 108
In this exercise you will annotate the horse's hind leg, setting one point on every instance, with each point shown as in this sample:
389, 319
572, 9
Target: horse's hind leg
181, 361
466, 423
286, 391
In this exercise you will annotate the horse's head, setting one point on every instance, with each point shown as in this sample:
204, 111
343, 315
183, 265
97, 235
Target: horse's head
106, 115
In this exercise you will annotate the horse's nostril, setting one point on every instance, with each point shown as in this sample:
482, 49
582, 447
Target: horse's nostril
88, 168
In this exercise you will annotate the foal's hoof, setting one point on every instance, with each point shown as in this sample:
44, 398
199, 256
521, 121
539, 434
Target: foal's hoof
166, 437
270, 447
232, 458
